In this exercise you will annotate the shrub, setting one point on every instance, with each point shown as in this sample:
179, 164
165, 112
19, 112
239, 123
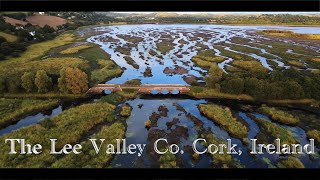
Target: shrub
88, 158
133, 82
2, 84
27, 81
75, 49
11, 110
279, 116
125, 110
13, 84
314, 134
275, 131
68, 128
220, 160
73, 80
233, 86
291, 162
224, 118
168, 160
43, 81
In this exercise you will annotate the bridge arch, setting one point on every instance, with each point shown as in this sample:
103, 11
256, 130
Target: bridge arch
164, 91
154, 91
107, 91
175, 91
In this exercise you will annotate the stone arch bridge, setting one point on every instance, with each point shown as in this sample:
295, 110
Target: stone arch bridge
143, 89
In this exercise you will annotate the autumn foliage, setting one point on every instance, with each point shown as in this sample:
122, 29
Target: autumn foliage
73, 80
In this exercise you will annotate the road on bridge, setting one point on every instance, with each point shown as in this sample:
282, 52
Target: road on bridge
143, 89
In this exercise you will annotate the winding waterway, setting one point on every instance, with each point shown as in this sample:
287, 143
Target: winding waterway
180, 120
176, 119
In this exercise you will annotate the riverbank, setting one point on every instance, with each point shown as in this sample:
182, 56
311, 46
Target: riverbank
289, 34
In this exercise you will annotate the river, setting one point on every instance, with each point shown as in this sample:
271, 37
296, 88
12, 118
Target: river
176, 119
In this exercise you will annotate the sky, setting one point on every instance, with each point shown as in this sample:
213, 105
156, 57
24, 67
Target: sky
231, 12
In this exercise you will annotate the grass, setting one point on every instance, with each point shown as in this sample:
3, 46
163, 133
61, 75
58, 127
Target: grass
88, 158
133, 82
51, 65
200, 62
206, 58
280, 48
233, 55
164, 47
292, 101
206, 53
39, 49
122, 50
118, 97
317, 60
9, 37
50, 95
314, 134
131, 62
250, 65
128, 93
168, 160
68, 127
290, 34
107, 70
296, 63
204, 92
220, 160
93, 55
131, 39
275, 131
75, 49
291, 162
11, 110
223, 117
279, 115
125, 110
101, 66
207, 61
113, 98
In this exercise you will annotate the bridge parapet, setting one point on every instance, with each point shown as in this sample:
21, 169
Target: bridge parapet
144, 89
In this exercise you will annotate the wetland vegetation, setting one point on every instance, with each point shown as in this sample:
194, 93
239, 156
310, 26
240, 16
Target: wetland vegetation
246, 82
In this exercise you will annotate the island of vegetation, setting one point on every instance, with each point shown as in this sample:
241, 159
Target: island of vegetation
237, 86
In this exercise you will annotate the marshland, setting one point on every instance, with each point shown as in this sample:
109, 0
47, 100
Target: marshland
247, 82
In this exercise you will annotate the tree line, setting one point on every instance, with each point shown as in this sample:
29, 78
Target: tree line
70, 81
285, 84
26, 35
277, 19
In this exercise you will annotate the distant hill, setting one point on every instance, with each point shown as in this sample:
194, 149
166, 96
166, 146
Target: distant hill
42, 20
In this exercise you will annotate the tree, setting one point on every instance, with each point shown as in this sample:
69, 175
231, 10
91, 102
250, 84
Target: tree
292, 90
2, 39
27, 81
42, 81
48, 29
13, 84
73, 80
233, 86
2, 57
62, 81
2, 84
251, 85
24, 35
215, 75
